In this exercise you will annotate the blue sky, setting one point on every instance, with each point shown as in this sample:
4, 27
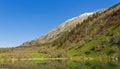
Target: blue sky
23, 20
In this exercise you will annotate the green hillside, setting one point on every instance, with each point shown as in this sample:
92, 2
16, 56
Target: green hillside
98, 35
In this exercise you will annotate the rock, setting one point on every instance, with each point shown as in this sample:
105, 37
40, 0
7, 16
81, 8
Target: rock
117, 58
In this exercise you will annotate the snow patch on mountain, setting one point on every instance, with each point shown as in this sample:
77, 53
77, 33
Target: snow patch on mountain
82, 15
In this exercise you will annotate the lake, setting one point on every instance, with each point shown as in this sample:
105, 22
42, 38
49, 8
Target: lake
59, 64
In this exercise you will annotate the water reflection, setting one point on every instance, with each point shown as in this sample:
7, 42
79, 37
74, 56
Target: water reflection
60, 64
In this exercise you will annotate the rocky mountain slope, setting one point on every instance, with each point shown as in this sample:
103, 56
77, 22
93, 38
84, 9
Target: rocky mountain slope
67, 26
58, 31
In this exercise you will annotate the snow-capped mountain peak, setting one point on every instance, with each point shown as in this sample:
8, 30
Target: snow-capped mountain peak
87, 14
80, 16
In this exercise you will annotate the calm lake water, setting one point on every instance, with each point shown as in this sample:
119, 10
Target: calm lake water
60, 64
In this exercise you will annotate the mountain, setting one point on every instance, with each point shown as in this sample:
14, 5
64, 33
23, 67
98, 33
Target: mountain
60, 30
67, 26
98, 35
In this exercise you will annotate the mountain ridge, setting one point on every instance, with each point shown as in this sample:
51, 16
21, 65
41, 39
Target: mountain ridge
58, 30
61, 29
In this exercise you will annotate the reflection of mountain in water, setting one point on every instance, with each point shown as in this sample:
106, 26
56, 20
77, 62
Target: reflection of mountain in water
61, 64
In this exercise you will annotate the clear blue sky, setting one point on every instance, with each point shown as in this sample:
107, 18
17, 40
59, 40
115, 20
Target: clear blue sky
23, 20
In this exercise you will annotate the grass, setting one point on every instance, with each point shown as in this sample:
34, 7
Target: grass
1, 54
39, 55
94, 43
71, 52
